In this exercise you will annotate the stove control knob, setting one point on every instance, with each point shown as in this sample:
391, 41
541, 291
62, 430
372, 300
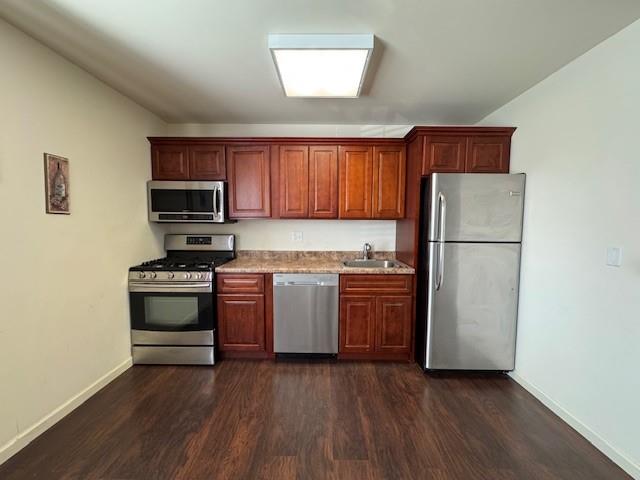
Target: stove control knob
141, 275
187, 275
170, 275
152, 275
198, 276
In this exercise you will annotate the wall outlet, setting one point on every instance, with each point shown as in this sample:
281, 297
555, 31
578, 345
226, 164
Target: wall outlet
297, 236
614, 256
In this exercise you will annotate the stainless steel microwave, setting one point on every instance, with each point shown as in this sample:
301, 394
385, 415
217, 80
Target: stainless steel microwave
187, 202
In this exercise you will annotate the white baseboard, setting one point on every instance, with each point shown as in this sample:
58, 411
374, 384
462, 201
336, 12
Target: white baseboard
627, 464
21, 440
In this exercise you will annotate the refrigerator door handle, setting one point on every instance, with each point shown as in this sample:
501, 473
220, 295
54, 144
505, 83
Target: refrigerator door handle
442, 220
442, 216
440, 266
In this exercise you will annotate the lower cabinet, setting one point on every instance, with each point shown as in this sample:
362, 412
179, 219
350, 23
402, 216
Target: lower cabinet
393, 324
376, 316
376, 322
241, 322
357, 318
243, 315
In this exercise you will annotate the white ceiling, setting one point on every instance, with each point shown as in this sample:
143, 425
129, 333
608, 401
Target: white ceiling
435, 61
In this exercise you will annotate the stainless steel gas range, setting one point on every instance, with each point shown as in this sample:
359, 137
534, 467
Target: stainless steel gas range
172, 301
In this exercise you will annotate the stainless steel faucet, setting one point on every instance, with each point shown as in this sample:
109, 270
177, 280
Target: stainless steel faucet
366, 249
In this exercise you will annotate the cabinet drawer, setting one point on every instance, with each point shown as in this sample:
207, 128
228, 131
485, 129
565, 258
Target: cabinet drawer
240, 283
365, 283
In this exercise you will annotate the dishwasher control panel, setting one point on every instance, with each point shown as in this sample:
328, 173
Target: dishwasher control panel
309, 279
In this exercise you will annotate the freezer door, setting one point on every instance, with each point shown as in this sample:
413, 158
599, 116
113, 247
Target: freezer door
478, 207
472, 306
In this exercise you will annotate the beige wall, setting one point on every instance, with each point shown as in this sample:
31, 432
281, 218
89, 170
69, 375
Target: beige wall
579, 320
286, 130
316, 234
64, 321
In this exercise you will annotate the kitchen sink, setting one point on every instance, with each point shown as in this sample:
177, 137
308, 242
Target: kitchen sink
371, 263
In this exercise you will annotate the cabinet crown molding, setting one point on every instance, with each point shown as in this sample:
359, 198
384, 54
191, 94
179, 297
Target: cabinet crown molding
310, 141
453, 130
417, 130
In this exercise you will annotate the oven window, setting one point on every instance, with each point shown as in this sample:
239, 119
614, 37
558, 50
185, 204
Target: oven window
171, 311
181, 200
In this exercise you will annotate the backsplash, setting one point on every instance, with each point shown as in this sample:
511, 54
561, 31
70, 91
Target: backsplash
320, 235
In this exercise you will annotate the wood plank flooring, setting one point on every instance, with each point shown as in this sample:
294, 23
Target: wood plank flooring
309, 420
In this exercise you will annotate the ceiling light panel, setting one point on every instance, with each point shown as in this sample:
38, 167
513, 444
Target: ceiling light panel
329, 66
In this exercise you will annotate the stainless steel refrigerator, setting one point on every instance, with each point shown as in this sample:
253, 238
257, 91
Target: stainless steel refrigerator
470, 238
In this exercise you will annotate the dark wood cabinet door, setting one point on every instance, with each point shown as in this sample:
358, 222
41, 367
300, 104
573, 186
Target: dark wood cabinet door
241, 322
388, 182
357, 319
444, 153
393, 324
488, 154
206, 162
169, 162
294, 181
355, 181
249, 181
323, 182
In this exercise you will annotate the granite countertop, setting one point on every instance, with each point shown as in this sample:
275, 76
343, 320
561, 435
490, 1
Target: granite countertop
263, 261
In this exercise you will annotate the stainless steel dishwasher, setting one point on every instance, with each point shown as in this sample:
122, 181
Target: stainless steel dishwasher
305, 313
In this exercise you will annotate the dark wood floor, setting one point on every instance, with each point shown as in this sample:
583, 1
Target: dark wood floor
245, 419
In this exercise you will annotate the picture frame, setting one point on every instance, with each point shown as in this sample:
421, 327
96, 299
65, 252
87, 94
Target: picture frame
56, 181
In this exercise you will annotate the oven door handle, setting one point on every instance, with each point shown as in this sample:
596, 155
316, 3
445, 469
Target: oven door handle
151, 287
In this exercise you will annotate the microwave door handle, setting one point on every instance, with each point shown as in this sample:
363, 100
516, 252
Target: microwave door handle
215, 201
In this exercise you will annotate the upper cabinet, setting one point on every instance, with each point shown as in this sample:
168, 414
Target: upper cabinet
466, 150
323, 181
188, 162
294, 181
389, 166
372, 181
170, 162
206, 162
356, 181
307, 181
317, 178
249, 181
444, 153
488, 154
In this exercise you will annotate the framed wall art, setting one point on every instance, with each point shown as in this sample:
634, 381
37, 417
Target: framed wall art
56, 178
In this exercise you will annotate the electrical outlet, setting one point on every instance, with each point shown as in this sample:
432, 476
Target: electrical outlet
297, 236
614, 256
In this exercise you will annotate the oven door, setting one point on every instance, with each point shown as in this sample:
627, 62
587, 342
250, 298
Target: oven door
186, 202
180, 314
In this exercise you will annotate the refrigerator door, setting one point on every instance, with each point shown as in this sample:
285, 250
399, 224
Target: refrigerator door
472, 306
483, 207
